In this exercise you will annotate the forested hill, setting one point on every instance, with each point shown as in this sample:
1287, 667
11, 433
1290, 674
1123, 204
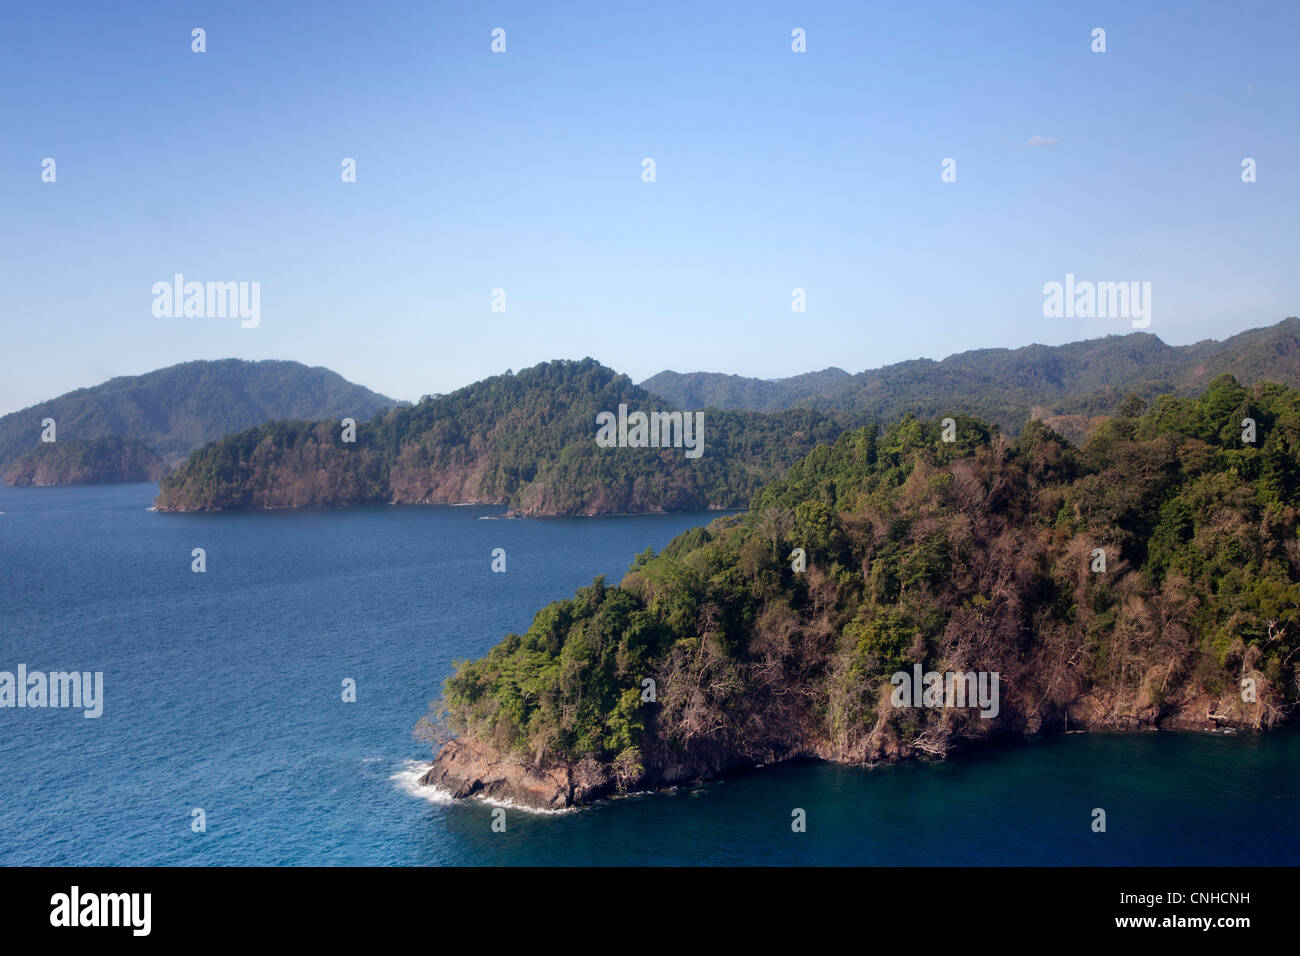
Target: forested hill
97, 461
721, 390
1066, 385
527, 440
1147, 578
176, 409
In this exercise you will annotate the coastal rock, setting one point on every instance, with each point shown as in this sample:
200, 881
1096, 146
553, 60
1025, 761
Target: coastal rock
466, 770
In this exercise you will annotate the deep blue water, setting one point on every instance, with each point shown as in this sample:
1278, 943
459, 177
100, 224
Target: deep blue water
223, 691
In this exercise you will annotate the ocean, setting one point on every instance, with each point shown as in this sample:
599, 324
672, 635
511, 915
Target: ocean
223, 693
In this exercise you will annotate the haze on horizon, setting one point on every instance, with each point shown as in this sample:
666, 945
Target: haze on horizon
522, 171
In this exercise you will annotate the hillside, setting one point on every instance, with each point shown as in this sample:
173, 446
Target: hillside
527, 440
973, 556
716, 390
1066, 385
99, 461
174, 410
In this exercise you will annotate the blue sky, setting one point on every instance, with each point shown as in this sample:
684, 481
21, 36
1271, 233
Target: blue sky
522, 171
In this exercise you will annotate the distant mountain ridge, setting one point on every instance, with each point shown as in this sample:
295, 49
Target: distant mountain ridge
176, 409
529, 440
474, 445
719, 390
1008, 386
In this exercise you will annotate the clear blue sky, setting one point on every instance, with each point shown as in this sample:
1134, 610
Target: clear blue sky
522, 171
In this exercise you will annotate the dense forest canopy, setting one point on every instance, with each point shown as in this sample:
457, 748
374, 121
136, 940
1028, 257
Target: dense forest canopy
972, 555
525, 439
1067, 385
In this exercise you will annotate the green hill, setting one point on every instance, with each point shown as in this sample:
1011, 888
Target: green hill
527, 440
176, 409
717, 390
1067, 385
973, 556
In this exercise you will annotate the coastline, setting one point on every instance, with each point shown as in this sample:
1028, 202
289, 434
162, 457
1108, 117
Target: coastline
463, 769
509, 514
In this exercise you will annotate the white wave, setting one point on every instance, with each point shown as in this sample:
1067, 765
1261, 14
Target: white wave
408, 781
511, 805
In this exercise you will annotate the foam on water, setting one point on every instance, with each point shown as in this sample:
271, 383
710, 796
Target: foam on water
408, 781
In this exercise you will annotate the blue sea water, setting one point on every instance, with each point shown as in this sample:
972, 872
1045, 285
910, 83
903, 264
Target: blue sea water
223, 692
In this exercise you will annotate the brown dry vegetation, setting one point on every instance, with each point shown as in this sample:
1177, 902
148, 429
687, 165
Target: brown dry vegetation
971, 556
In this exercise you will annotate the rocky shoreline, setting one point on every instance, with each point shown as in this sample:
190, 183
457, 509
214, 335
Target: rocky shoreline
463, 769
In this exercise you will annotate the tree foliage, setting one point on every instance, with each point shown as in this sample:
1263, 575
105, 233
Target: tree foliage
525, 439
975, 555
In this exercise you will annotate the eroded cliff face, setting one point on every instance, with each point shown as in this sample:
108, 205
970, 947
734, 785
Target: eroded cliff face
315, 475
462, 481
464, 769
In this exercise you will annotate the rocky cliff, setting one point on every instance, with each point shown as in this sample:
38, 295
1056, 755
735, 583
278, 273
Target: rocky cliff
463, 768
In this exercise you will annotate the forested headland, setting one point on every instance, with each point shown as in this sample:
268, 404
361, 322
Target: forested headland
973, 555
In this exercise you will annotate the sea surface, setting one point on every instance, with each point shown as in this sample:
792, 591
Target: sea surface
223, 692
